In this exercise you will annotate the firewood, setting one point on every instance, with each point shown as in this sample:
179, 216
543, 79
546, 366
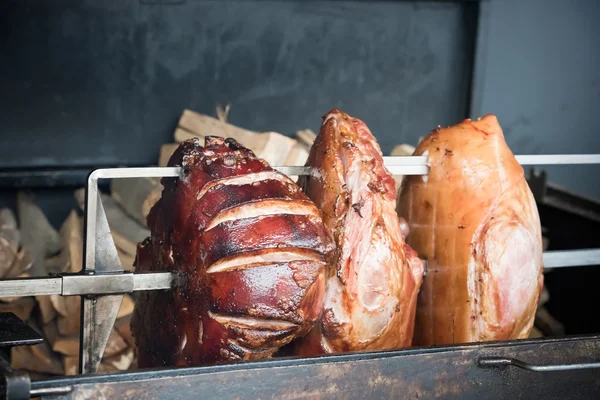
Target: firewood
121, 361
21, 264
306, 138
9, 240
104, 367
127, 260
47, 310
79, 196
166, 151
7, 256
58, 303
9, 229
67, 345
115, 344
118, 220
181, 135
69, 323
123, 326
50, 332
21, 308
127, 306
297, 155
71, 233
38, 358
271, 146
136, 195
37, 235
71, 364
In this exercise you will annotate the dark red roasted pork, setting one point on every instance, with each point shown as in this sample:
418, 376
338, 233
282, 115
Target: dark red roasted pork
249, 251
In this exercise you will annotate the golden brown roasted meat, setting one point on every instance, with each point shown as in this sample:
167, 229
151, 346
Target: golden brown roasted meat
372, 285
475, 221
249, 250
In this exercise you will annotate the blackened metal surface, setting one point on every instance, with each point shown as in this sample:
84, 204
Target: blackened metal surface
104, 83
421, 373
14, 385
14, 332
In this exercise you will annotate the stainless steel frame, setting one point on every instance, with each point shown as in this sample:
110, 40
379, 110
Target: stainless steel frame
102, 281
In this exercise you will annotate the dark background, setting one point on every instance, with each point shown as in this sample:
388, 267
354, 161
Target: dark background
87, 84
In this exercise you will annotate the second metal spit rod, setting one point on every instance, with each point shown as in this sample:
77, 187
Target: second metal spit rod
127, 282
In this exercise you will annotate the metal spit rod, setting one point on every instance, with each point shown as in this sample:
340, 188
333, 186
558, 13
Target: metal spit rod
103, 281
128, 282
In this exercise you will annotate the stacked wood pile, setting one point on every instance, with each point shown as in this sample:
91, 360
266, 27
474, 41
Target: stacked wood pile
34, 248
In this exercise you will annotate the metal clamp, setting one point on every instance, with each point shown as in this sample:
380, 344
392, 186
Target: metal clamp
513, 362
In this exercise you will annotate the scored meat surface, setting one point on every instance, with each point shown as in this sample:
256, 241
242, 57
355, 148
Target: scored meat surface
249, 251
475, 221
374, 277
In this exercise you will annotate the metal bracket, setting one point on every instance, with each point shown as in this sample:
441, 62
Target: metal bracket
504, 362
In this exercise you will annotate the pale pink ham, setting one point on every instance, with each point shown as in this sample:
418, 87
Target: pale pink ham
372, 285
475, 221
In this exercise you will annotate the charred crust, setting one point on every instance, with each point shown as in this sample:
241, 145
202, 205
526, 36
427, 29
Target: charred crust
358, 206
213, 140
461, 227
448, 152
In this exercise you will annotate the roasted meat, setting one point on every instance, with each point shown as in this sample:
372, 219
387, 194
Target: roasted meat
249, 251
374, 278
475, 221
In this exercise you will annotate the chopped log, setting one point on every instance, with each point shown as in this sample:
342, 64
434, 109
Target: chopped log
126, 308
47, 310
79, 196
297, 155
271, 146
136, 195
50, 332
166, 151
7, 256
71, 364
124, 244
118, 220
306, 138
181, 135
38, 358
9, 240
21, 307
67, 345
115, 344
69, 323
127, 260
123, 326
9, 229
71, 233
58, 303
21, 264
37, 235
402, 150
121, 361
103, 367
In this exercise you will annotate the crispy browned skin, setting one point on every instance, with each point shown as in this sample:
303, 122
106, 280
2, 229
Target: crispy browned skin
249, 249
372, 286
475, 221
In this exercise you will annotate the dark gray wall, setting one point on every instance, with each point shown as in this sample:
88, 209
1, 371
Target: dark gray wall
92, 83
538, 69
